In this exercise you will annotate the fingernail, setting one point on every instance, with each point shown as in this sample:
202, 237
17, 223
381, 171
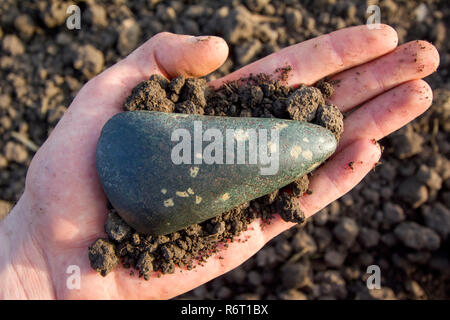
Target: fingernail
199, 38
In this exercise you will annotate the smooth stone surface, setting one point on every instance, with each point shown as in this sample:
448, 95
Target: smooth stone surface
156, 196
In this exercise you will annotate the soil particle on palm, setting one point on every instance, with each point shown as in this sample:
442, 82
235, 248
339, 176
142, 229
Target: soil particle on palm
188, 107
102, 255
163, 82
270, 198
326, 88
251, 96
179, 249
303, 103
175, 87
289, 208
300, 186
149, 95
116, 228
194, 90
330, 117
145, 265
258, 96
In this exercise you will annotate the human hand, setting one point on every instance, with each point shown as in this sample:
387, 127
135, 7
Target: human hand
62, 210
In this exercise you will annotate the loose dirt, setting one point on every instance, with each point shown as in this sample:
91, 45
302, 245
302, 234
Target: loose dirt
43, 65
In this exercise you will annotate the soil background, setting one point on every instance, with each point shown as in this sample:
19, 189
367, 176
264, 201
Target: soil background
398, 218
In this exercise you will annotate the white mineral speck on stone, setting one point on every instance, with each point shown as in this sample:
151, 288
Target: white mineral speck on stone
295, 151
194, 171
182, 194
241, 135
168, 203
225, 196
272, 146
307, 154
280, 126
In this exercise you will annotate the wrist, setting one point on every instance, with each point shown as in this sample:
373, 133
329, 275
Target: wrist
23, 267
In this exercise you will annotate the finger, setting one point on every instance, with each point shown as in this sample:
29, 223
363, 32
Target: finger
325, 55
387, 112
411, 61
167, 54
329, 182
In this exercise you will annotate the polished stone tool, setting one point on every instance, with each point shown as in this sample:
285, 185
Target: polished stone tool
165, 171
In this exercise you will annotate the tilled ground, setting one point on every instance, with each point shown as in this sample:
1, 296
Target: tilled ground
398, 218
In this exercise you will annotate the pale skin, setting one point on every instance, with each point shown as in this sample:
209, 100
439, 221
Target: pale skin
62, 210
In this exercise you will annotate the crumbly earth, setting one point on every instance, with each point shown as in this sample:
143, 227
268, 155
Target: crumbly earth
257, 96
330, 117
43, 65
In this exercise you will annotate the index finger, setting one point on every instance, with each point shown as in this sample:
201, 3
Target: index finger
323, 56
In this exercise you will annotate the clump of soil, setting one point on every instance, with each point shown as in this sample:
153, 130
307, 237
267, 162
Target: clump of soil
43, 65
102, 256
255, 96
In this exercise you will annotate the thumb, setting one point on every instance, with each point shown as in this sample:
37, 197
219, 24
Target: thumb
167, 54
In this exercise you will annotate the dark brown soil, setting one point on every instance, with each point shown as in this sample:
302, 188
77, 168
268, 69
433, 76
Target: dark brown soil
102, 256
43, 65
257, 96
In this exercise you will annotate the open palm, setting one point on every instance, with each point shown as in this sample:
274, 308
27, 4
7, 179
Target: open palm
62, 210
